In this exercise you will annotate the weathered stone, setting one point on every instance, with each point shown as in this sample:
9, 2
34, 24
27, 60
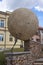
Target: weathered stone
22, 23
34, 47
24, 58
26, 45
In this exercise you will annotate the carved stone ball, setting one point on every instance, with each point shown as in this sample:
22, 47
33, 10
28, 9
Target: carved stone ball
22, 23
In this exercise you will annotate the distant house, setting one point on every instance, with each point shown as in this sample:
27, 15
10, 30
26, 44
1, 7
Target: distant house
36, 38
39, 35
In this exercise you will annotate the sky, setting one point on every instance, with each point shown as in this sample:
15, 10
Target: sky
35, 5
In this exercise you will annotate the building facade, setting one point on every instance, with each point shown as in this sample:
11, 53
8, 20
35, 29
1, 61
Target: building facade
41, 36
41, 33
6, 39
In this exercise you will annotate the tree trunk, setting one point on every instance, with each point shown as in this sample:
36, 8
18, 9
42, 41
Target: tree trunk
26, 45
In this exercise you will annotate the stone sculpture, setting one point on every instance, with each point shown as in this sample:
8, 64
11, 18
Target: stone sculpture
22, 23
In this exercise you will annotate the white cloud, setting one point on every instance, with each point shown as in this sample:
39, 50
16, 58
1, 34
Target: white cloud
39, 8
3, 5
14, 4
39, 5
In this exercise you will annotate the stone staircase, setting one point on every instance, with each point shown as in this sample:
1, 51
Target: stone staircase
39, 62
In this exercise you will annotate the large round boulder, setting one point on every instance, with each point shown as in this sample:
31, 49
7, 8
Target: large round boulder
22, 23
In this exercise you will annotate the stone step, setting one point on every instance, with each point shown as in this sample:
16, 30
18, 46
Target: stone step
39, 62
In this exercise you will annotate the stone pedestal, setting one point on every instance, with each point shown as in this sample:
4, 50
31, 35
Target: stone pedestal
27, 45
34, 47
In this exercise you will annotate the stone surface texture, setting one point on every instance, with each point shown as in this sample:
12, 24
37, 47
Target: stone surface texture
22, 23
20, 59
34, 47
23, 59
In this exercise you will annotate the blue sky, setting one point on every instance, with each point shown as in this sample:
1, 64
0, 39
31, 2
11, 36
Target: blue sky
35, 5
0, 0
39, 15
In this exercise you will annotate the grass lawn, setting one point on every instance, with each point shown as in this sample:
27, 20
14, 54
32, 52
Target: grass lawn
18, 50
2, 56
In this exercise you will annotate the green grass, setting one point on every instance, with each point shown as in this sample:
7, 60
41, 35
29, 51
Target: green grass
2, 56
18, 49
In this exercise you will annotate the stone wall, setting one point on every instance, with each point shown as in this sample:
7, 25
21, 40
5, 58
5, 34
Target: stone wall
19, 58
22, 58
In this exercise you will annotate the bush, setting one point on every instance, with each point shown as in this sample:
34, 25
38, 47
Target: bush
2, 58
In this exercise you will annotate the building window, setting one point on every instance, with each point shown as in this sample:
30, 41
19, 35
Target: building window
1, 23
10, 38
1, 37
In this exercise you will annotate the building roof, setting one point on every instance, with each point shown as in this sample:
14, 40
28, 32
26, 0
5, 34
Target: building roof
36, 37
40, 28
4, 13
